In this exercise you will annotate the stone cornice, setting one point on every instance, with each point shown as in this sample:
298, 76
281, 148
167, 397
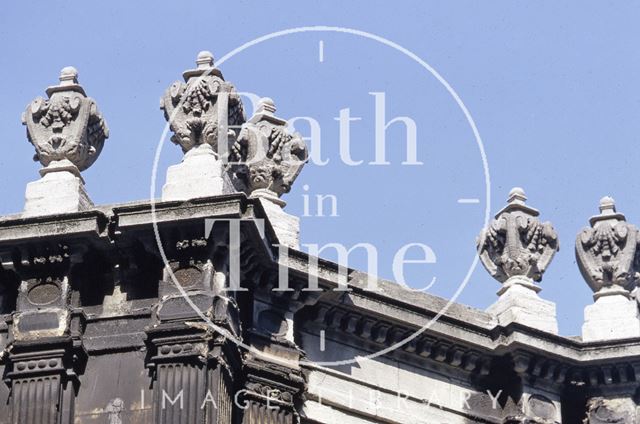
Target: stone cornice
380, 317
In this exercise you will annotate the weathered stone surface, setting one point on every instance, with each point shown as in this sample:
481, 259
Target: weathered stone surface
56, 192
606, 411
286, 226
516, 244
200, 174
94, 330
606, 252
269, 157
267, 160
205, 109
521, 304
204, 113
67, 129
607, 257
611, 317
516, 250
68, 133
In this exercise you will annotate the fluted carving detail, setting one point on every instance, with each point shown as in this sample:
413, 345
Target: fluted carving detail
36, 400
186, 385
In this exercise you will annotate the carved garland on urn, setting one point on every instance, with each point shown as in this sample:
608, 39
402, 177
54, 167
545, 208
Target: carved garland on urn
203, 108
67, 130
607, 252
517, 246
268, 157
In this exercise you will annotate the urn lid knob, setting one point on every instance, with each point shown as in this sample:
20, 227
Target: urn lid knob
68, 76
205, 60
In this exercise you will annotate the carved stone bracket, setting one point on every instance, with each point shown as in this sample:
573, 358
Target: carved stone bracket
191, 360
376, 333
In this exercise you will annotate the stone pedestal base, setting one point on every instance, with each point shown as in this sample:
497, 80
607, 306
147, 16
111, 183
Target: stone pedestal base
519, 302
56, 192
611, 317
200, 174
286, 227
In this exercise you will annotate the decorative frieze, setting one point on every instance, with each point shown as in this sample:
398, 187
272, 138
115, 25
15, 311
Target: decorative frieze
386, 333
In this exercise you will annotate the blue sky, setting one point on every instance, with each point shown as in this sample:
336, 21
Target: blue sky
553, 88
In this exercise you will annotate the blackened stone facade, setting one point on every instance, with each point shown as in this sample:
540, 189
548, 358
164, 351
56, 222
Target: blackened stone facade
201, 308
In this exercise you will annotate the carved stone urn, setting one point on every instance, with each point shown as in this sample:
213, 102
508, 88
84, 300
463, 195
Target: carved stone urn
68, 133
607, 252
203, 110
607, 255
67, 130
205, 114
266, 160
516, 248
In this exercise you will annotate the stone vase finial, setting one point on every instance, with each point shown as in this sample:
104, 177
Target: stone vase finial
268, 158
67, 130
517, 247
203, 110
205, 114
607, 252
68, 133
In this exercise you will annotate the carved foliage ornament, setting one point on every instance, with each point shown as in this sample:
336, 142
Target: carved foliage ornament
516, 243
203, 107
68, 126
607, 252
267, 156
